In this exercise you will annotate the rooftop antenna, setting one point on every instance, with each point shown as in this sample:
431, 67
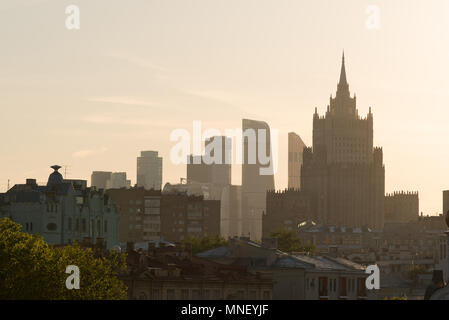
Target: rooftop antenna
66, 170
8, 186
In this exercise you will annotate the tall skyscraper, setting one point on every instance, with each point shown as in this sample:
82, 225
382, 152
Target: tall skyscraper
295, 151
255, 184
343, 174
149, 170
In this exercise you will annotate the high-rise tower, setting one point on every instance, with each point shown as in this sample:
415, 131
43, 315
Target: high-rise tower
255, 184
342, 172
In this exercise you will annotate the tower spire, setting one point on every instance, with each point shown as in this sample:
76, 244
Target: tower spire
343, 80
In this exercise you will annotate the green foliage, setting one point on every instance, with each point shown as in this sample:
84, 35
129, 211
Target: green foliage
288, 242
200, 244
32, 269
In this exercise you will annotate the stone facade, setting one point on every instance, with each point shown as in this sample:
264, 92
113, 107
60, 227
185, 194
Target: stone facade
402, 207
343, 173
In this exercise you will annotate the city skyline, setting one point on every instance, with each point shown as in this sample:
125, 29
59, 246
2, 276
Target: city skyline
94, 106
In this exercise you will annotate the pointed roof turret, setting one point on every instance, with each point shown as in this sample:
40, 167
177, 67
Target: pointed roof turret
343, 80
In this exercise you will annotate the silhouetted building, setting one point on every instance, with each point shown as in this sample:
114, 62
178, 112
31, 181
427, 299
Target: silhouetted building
401, 207
256, 176
149, 170
445, 201
63, 211
139, 209
343, 174
216, 168
231, 212
295, 153
296, 276
98, 179
285, 211
184, 215
171, 272
117, 181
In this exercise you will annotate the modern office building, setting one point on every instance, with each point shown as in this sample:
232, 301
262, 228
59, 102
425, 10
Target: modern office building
256, 176
343, 173
63, 211
149, 170
295, 152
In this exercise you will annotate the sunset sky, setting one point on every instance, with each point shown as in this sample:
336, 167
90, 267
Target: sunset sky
94, 98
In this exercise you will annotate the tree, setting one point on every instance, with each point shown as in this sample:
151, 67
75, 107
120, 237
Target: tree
200, 244
32, 269
288, 242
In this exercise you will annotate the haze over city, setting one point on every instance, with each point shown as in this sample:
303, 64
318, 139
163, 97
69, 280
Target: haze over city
94, 98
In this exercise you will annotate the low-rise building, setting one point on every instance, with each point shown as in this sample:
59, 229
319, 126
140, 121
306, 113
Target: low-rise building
170, 272
296, 276
63, 211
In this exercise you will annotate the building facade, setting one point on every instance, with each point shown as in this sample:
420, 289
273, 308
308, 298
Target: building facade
149, 170
295, 153
139, 209
63, 211
255, 181
184, 215
285, 211
343, 173
445, 201
401, 206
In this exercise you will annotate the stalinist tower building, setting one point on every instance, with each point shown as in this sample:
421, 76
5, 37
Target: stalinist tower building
342, 173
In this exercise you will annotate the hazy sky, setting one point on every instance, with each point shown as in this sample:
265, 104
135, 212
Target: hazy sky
136, 70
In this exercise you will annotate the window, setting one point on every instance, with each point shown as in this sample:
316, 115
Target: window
26, 226
343, 291
69, 224
77, 224
184, 294
156, 294
322, 290
171, 294
266, 295
31, 226
142, 296
83, 225
105, 226
361, 288
196, 294
98, 227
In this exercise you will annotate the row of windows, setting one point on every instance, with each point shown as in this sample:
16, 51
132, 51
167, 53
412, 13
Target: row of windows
343, 286
84, 226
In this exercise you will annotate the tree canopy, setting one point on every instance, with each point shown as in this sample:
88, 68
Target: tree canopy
200, 244
288, 242
32, 269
